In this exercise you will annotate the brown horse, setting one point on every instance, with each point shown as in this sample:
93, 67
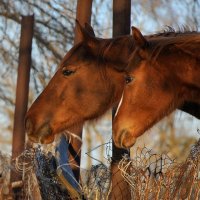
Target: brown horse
82, 88
89, 81
165, 72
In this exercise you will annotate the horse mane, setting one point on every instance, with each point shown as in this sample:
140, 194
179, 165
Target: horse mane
183, 39
115, 43
114, 50
170, 31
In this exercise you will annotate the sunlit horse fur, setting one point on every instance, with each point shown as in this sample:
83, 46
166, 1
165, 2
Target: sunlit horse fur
165, 73
89, 81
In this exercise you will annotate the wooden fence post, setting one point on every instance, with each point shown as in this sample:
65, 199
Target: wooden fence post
121, 26
83, 15
18, 141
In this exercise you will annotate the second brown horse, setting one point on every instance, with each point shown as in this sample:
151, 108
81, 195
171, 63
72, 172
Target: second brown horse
165, 72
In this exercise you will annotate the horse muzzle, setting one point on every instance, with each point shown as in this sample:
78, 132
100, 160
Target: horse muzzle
124, 139
41, 135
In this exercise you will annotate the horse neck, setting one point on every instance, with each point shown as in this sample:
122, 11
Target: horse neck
185, 66
192, 80
190, 64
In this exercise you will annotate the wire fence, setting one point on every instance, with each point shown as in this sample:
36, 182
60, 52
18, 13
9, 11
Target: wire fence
148, 175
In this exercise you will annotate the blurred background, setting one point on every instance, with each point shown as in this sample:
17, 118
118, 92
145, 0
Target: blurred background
53, 37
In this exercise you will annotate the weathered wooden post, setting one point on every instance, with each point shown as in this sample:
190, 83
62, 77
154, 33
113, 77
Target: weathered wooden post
18, 141
121, 26
83, 15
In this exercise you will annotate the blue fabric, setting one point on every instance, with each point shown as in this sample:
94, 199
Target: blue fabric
63, 162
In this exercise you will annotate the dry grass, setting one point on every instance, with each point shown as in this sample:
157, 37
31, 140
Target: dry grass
150, 176
153, 176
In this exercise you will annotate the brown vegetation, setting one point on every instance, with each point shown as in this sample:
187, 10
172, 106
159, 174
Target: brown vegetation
149, 175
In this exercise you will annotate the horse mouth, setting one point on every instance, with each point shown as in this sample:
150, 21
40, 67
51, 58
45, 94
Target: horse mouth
124, 139
43, 135
46, 135
42, 140
47, 139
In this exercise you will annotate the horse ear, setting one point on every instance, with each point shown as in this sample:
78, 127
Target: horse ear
87, 35
139, 39
89, 29
83, 34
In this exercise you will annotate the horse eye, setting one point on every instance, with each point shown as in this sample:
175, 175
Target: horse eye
67, 72
128, 79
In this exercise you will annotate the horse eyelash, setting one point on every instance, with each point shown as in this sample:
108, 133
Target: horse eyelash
67, 72
129, 79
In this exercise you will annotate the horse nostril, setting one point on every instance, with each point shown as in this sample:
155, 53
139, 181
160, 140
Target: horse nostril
122, 134
28, 126
127, 140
